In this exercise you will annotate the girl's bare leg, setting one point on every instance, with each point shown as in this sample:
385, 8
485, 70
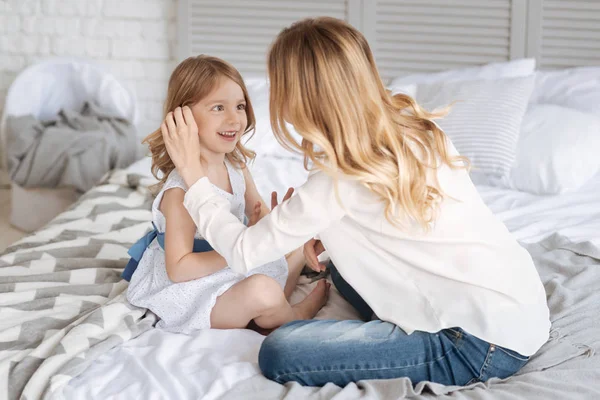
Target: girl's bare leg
296, 263
261, 299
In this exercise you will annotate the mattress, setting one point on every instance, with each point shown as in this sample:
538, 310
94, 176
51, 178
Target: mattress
71, 334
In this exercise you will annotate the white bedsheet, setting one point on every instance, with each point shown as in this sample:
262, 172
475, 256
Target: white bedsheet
161, 365
530, 218
164, 365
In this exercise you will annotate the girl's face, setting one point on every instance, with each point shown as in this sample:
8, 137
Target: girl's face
221, 117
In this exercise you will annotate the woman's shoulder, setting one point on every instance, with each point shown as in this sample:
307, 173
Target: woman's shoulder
319, 177
325, 187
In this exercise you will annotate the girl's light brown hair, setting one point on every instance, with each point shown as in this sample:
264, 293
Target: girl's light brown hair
324, 81
192, 80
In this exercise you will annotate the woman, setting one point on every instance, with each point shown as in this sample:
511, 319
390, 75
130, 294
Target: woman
456, 299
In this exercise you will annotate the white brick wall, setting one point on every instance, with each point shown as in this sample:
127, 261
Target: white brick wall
134, 39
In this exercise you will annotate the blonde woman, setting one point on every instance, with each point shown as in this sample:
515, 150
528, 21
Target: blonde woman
174, 272
446, 293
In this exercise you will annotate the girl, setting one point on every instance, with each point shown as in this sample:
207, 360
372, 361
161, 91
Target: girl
447, 294
179, 277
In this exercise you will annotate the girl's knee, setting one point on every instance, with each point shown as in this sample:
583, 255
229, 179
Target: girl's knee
260, 281
265, 291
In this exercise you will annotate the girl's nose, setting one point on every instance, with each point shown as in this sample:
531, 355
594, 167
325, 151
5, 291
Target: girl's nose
232, 118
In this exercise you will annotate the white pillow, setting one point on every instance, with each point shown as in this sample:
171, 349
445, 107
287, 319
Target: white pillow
577, 88
509, 69
67, 84
559, 132
484, 124
263, 141
558, 150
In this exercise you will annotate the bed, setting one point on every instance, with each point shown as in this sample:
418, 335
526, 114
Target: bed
67, 332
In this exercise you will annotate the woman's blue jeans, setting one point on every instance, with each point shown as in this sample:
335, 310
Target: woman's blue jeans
314, 352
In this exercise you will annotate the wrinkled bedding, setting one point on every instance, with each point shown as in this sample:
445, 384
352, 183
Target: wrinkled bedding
66, 330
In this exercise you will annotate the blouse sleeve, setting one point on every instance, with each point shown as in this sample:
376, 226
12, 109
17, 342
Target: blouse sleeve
312, 209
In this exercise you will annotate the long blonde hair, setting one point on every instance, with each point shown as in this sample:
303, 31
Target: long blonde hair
324, 81
192, 80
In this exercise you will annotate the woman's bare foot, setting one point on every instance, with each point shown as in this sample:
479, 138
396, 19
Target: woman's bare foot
310, 306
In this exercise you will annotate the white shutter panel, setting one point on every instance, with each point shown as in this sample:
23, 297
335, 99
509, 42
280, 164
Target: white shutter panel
423, 36
240, 31
570, 33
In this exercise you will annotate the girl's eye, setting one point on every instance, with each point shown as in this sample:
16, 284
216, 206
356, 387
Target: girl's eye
241, 107
218, 108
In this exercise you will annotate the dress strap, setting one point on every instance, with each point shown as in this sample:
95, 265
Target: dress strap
236, 178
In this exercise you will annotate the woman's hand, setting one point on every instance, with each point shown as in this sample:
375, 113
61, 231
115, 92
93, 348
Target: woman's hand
312, 249
180, 134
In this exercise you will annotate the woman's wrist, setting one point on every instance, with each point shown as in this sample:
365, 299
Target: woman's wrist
191, 174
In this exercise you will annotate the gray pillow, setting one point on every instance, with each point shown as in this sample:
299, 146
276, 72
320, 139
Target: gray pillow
485, 121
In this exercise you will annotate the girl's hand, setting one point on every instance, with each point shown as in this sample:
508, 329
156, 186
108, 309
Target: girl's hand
312, 249
256, 213
180, 134
255, 216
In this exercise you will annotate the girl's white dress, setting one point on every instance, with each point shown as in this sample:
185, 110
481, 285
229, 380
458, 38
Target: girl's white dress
185, 307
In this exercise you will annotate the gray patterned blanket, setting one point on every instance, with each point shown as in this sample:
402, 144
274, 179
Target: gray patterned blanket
61, 295
62, 305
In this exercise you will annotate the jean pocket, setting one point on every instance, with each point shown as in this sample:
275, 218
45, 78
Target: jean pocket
513, 354
503, 364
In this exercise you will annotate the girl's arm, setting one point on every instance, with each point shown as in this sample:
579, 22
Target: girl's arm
182, 263
287, 227
253, 198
